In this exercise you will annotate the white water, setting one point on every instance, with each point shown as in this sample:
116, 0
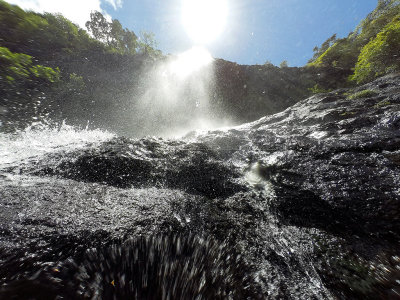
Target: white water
39, 139
176, 97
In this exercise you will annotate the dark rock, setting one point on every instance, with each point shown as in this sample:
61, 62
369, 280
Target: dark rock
127, 163
309, 197
159, 267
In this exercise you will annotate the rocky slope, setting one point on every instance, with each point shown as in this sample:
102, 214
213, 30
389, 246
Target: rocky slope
247, 93
304, 204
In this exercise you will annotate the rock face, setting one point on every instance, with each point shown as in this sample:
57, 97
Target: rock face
247, 93
304, 204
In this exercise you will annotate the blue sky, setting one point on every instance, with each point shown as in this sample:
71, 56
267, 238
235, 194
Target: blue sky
257, 30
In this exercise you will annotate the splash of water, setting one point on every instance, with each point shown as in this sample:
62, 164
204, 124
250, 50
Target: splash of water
41, 138
176, 97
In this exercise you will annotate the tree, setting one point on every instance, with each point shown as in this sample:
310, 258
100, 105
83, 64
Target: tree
130, 41
385, 11
147, 42
284, 64
124, 40
325, 46
268, 63
381, 55
116, 35
112, 34
23, 86
17, 69
99, 27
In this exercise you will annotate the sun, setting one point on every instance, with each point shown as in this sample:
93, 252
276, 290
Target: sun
204, 20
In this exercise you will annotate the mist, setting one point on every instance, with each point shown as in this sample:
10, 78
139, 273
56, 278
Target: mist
176, 96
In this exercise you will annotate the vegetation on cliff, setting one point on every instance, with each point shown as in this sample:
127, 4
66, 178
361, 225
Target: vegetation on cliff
381, 55
52, 68
367, 53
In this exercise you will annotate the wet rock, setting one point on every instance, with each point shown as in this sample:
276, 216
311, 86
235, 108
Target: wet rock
309, 197
127, 163
159, 267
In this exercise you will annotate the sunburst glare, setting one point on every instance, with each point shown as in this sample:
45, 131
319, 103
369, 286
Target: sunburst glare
204, 20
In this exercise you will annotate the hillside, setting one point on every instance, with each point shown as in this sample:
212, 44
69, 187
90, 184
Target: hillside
53, 70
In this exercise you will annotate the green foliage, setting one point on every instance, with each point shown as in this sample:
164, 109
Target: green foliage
47, 73
54, 37
341, 55
317, 89
120, 40
348, 114
371, 51
112, 34
18, 23
76, 81
269, 65
98, 26
47, 36
25, 87
284, 64
362, 94
382, 104
381, 55
325, 46
18, 68
14, 64
385, 11
63, 34
42, 55
147, 44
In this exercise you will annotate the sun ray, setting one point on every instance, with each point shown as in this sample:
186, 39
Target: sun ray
204, 20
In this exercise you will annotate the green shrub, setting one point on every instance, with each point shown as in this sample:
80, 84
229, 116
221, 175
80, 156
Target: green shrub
382, 104
341, 55
362, 94
317, 89
381, 55
18, 68
348, 113
335, 60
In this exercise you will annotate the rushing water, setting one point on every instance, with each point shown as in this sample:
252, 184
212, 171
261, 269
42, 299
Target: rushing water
174, 202
76, 238
176, 96
278, 208
39, 139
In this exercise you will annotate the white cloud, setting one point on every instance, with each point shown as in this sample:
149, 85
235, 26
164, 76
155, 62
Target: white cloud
78, 11
115, 3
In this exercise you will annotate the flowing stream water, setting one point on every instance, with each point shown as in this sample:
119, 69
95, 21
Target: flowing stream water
187, 217
258, 211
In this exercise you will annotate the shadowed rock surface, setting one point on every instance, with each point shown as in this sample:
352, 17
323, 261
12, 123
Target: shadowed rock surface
304, 204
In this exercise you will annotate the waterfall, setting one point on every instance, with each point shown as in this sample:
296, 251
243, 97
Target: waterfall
176, 96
